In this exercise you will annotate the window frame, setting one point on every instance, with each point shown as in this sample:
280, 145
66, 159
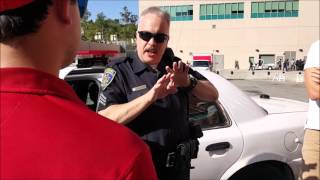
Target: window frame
282, 8
221, 113
86, 78
221, 11
179, 13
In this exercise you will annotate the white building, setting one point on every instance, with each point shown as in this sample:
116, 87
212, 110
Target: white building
238, 30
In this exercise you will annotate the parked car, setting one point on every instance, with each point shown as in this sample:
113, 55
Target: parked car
267, 64
244, 137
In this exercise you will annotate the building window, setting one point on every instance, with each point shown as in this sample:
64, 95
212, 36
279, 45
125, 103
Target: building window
221, 11
179, 13
274, 9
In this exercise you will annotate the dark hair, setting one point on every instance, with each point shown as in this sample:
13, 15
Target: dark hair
24, 20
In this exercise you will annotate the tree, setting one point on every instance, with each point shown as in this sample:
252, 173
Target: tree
101, 26
127, 17
133, 19
86, 27
125, 30
128, 31
86, 15
129, 27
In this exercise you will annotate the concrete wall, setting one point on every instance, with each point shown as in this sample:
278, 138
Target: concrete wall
238, 39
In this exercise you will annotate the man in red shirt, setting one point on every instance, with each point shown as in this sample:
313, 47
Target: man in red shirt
46, 131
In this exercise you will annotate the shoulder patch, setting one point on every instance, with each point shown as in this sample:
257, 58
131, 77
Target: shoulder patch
107, 78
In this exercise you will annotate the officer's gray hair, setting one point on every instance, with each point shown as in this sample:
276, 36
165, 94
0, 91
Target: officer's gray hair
157, 11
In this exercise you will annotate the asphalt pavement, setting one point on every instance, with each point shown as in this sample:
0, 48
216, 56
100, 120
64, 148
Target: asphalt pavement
290, 90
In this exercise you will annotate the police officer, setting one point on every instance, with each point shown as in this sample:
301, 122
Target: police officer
46, 131
148, 92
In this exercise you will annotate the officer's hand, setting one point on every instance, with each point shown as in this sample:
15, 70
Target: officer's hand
179, 74
163, 87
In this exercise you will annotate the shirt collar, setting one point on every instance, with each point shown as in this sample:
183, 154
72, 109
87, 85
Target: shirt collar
31, 81
137, 65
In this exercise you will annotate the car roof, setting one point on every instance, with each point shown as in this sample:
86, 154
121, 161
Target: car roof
239, 105
89, 70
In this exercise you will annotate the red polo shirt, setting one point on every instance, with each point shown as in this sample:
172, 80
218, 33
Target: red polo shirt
48, 133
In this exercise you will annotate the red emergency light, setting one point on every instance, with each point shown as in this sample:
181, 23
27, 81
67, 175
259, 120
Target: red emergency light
202, 58
110, 53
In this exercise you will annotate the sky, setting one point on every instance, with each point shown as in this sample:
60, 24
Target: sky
111, 8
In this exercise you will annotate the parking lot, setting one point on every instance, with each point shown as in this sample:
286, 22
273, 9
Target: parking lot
290, 90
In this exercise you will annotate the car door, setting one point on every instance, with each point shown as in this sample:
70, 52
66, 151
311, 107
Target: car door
87, 90
221, 144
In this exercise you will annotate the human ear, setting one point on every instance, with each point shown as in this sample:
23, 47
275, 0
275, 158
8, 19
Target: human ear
63, 10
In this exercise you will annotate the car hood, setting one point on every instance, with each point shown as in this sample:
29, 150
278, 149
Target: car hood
275, 105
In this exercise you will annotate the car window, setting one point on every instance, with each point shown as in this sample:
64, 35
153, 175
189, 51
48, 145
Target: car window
208, 115
87, 91
200, 63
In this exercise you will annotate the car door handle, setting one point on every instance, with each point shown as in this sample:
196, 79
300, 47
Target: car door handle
218, 146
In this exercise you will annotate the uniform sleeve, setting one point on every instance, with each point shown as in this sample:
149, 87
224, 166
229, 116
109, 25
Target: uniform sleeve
112, 94
142, 168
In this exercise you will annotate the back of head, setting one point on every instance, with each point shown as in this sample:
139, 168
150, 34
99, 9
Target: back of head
19, 18
34, 30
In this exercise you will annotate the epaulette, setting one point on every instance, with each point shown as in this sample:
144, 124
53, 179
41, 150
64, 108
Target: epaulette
116, 60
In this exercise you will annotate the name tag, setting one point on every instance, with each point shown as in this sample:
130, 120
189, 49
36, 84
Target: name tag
138, 88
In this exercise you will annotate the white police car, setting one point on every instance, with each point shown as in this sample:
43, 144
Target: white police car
244, 138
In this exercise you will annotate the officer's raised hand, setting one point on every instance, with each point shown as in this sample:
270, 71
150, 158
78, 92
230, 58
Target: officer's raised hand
179, 74
163, 87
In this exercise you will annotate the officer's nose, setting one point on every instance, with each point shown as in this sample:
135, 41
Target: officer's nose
152, 41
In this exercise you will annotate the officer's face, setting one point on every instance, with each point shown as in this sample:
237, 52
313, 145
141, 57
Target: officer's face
152, 38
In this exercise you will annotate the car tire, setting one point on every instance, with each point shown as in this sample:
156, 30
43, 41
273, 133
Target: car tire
269, 68
261, 172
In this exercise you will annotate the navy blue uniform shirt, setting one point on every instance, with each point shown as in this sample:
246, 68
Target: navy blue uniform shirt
165, 122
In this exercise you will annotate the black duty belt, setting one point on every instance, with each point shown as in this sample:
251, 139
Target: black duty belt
182, 153
185, 151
